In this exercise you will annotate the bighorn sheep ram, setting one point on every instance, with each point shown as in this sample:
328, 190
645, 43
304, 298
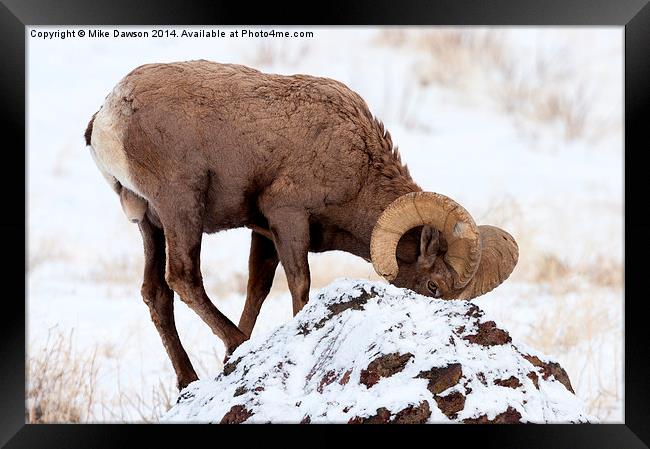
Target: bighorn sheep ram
194, 147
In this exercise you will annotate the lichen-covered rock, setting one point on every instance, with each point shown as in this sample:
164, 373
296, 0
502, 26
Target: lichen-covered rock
366, 352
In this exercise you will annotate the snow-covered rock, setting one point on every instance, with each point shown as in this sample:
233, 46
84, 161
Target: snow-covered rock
367, 352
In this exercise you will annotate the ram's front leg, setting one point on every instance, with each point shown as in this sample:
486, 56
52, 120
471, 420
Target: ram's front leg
262, 262
290, 229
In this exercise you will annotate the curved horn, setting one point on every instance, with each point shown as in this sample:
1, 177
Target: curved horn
499, 256
438, 211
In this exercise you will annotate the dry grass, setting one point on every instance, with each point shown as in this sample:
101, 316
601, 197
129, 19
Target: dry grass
583, 323
117, 270
545, 97
457, 57
581, 332
546, 92
271, 52
46, 250
219, 286
602, 272
63, 387
571, 322
540, 266
61, 381
451, 57
130, 406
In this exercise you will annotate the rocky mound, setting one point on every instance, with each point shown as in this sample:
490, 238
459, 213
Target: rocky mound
364, 352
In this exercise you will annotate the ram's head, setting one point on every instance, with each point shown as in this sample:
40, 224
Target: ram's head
457, 259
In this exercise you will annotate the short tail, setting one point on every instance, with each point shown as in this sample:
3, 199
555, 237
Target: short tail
89, 129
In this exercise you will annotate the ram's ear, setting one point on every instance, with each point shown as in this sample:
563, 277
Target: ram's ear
429, 245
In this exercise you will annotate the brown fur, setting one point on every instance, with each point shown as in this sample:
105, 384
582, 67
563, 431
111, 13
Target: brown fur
298, 159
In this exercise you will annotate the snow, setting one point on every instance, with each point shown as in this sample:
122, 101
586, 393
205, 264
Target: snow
556, 197
288, 365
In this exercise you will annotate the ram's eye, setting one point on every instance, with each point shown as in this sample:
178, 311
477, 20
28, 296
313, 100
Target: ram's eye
433, 288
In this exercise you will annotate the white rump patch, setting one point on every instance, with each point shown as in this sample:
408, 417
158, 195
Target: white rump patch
107, 147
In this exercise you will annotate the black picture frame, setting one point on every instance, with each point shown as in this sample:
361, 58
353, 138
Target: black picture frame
633, 15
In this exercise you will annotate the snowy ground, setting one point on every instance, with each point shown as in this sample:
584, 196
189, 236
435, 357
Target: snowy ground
470, 127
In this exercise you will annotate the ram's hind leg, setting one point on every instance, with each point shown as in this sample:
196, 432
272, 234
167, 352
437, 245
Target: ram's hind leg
183, 225
262, 262
159, 298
